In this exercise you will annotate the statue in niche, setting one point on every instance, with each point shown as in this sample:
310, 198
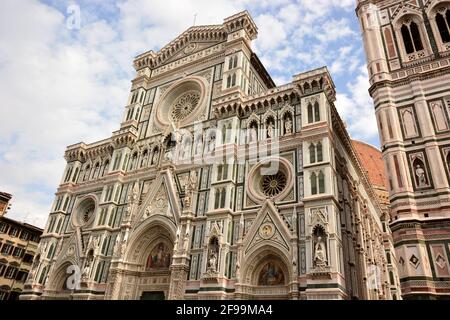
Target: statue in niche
193, 180
320, 253
144, 159
199, 145
421, 176
87, 269
177, 238
123, 247
270, 129
288, 126
135, 192
187, 202
212, 261
155, 156
186, 240
213, 253
253, 133
168, 155
211, 143
186, 153
116, 246
147, 212
96, 245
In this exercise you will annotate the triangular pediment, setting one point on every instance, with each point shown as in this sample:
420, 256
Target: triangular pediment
190, 48
161, 199
192, 40
267, 229
71, 250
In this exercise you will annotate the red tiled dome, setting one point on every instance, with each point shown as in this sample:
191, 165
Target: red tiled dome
372, 161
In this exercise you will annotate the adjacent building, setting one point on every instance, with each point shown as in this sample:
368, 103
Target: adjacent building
18, 245
4, 203
407, 45
217, 185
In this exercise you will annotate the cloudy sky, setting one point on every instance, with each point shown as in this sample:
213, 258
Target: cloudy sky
65, 80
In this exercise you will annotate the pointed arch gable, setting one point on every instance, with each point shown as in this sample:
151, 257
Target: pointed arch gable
140, 238
279, 238
165, 181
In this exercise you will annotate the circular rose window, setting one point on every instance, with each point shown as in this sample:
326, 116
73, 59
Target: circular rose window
84, 213
274, 184
184, 105
270, 178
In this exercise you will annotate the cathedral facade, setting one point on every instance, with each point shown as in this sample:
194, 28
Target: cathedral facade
217, 185
408, 53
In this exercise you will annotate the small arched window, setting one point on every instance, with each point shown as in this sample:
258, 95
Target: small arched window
96, 170
87, 173
313, 183
319, 152
443, 24
233, 80
75, 176
416, 36
316, 112
133, 161
228, 81
105, 167
447, 159
235, 62
312, 153
223, 194
310, 114
321, 182
219, 172
306, 87
51, 251
58, 227
217, 199
68, 174
144, 158
407, 41
230, 63
137, 114
224, 134
411, 37
43, 275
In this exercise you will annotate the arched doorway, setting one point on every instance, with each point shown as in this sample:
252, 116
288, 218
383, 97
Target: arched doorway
149, 257
266, 276
270, 279
61, 285
155, 278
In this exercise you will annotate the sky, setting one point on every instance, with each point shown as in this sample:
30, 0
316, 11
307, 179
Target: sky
66, 71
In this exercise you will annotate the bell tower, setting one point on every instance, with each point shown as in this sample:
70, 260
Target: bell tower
407, 45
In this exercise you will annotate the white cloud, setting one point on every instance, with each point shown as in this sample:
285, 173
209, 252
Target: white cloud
356, 108
271, 32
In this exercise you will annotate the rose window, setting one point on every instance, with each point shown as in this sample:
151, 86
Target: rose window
88, 214
85, 212
185, 104
274, 184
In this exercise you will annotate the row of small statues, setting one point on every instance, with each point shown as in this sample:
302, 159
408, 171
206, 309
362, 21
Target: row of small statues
270, 130
210, 145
